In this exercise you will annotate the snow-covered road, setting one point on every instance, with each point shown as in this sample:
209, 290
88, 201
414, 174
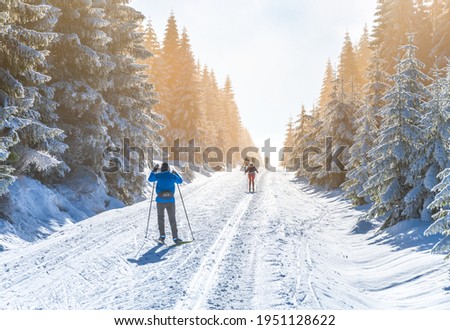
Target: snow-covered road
285, 247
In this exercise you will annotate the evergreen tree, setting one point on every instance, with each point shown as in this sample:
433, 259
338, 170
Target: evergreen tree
327, 87
246, 138
211, 110
217, 113
416, 197
232, 116
29, 140
187, 113
380, 24
169, 70
152, 45
439, 114
288, 143
154, 62
132, 98
337, 125
424, 29
434, 156
363, 55
305, 143
80, 70
367, 126
441, 225
301, 129
391, 185
393, 19
348, 71
202, 138
358, 164
441, 48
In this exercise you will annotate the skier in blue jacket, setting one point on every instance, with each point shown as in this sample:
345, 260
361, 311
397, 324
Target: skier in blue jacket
165, 190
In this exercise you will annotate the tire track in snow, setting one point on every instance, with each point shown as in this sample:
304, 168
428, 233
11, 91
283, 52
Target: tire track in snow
202, 282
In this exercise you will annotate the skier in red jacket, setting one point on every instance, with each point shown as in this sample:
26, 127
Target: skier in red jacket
251, 170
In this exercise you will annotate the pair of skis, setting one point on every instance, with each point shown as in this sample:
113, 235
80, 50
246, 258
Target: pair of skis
170, 245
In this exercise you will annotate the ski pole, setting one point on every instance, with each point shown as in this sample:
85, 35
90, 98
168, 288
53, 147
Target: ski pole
149, 211
185, 212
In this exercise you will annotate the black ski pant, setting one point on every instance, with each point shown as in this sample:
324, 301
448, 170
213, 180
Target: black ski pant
170, 207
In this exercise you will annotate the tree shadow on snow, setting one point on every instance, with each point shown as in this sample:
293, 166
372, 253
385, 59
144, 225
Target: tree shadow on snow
152, 256
407, 234
363, 227
447, 288
324, 192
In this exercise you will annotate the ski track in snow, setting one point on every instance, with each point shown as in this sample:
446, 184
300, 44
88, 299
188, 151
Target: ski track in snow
203, 280
288, 246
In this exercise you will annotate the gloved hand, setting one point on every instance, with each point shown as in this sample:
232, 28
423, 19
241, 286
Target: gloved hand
156, 168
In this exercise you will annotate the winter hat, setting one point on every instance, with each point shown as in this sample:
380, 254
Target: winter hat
164, 167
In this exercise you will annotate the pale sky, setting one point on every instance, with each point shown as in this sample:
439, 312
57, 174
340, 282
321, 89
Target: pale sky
275, 51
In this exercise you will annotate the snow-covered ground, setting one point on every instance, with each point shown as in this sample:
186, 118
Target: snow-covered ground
288, 246
37, 211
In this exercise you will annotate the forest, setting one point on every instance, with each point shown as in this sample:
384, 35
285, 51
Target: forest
79, 77
388, 103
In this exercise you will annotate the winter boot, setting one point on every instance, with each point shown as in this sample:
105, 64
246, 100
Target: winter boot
177, 241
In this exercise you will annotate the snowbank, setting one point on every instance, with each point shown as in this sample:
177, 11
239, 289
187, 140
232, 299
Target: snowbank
36, 211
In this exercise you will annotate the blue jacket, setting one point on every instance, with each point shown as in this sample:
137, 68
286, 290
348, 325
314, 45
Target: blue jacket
165, 181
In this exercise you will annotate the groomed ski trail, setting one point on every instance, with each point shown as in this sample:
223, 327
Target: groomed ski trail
288, 246
205, 276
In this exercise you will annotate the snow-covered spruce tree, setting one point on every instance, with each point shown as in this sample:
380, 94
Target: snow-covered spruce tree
363, 55
367, 125
288, 143
301, 126
186, 112
433, 157
393, 19
441, 225
421, 169
132, 98
441, 36
440, 106
204, 100
232, 117
29, 142
216, 112
336, 129
210, 102
246, 139
80, 70
424, 28
392, 186
348, 70
201, 104
152, 45
304, 145
169, 74
327, 87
